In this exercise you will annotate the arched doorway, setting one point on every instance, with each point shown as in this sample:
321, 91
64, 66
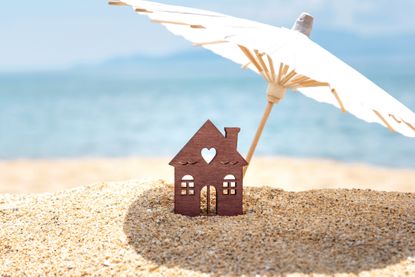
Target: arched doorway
208, 204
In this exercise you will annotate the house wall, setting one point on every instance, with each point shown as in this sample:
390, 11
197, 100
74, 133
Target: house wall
186, 204
208, 175
230, 204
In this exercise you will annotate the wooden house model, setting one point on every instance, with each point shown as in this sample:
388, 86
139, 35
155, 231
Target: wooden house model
221, 173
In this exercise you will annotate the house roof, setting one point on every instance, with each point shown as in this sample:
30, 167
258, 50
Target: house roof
208, 136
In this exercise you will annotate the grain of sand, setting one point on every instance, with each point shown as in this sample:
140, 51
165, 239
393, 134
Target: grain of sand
128, 228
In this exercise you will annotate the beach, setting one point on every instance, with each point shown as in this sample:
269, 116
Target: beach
290, 174
95, 102
112, 216
86, 189
350, 212
128, 228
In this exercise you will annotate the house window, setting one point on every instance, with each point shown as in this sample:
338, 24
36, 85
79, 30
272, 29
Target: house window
229, 185
187, 185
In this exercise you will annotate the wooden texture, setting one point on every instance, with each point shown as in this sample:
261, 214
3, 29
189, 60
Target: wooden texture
227, 161
258, 133
209, 42
409, 125
342, 108
384, 120
140, 10
271, 65
116, 3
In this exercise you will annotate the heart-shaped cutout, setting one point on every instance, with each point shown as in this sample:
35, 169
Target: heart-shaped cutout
208, 154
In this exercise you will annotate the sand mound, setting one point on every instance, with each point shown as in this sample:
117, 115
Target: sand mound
130, 228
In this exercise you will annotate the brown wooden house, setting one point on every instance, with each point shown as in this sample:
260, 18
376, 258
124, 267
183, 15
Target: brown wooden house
223, 174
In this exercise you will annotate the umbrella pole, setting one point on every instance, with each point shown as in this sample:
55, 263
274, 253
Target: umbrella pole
258, 134
303, 24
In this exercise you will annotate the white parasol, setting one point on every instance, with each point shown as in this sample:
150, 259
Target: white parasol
286, 59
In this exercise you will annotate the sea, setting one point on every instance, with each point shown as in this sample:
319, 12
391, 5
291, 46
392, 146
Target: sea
152, 106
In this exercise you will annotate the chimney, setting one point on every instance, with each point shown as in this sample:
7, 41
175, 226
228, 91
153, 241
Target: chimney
231, 135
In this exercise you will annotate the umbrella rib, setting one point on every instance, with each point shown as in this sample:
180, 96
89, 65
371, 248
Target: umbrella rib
141, 10
409, 125
262, 63
303, 81
313, 82
253, 60
250, 57
400, 121
284, 71
384, 120
248, 63
280, 72
209, 42
297, 80
288, 77
190, 13
391, 115
117, 3
334, 92
271, 65
245, 66
168, 22
195, 26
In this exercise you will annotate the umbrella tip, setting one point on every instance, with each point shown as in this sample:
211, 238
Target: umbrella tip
304, 24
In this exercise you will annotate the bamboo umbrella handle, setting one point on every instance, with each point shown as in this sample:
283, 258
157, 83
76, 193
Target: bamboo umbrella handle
303, 24
258, 133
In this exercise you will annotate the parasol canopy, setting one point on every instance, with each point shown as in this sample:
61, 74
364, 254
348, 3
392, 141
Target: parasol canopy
286, 59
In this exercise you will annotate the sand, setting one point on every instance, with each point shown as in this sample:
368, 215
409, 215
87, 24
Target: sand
302, 216
288, 173
128, 228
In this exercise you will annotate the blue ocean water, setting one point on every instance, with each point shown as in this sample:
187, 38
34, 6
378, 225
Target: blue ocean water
115, 111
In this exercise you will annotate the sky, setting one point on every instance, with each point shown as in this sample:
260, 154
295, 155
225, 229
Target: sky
46, 34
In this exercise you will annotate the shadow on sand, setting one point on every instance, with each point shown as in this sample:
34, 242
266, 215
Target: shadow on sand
320, 231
